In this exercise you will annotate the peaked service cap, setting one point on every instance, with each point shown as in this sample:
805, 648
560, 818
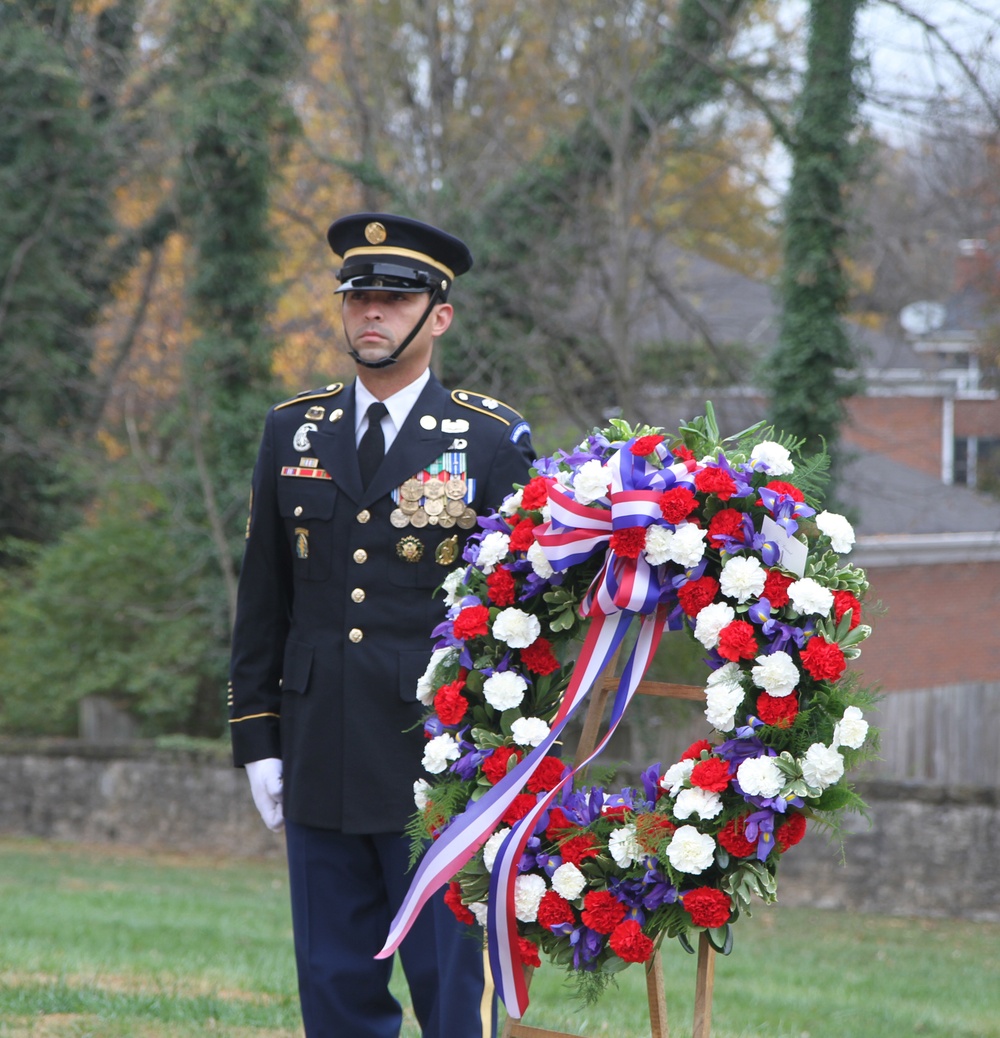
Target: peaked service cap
395, 253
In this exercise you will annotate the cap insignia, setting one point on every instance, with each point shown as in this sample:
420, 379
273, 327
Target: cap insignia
375, 233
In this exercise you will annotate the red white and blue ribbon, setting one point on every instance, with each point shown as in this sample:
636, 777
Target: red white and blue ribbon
623, 589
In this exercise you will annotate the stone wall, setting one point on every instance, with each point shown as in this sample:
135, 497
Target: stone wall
929, 851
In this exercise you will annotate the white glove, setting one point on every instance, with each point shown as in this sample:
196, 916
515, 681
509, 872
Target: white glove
266, 787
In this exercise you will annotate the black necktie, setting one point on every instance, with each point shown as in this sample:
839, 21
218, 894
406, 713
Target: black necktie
371, 449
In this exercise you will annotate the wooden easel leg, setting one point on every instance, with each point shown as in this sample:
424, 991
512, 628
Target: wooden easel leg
657, 997
703, 989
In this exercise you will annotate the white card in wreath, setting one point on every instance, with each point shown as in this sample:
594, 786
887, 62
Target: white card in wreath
793, 553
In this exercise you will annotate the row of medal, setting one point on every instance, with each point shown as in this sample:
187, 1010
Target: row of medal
439, 500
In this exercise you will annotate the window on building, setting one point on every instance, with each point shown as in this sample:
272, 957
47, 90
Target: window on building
977, 463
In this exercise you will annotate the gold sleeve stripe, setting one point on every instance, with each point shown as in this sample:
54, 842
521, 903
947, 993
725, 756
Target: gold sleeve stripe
250, 717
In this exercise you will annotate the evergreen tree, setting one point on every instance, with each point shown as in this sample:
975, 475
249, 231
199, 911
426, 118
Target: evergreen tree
810, 370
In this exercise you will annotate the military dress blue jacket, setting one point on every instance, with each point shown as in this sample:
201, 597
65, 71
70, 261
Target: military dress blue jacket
336, 598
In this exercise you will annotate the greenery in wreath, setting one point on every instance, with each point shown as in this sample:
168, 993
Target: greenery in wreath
723, 539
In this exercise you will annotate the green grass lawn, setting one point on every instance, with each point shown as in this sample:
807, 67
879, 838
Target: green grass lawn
111, 943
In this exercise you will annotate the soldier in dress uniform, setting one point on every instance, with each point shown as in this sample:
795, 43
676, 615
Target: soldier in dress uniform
363, 496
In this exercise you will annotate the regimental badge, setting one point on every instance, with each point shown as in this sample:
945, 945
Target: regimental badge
315, 413
447, 551
410, 549
301, 542
301, 440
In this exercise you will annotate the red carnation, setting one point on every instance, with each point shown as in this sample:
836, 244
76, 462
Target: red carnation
558, 825
842, 601
778, 711
711, 774
737, 641
522, 537
696, 594
781, 487
677, 504
628, 942
539, 658
449, 703
776, 586
682, 452
527, 952
726, 523
519, 807
824, 660
602, 911
694, 751
577, 848
497, 764
707, 906
453, 899
547, 775
651, 829
791, 831
645, 445
713, 480
472, 622
629, 542
500, 587
554, 910
731, 837
536, 494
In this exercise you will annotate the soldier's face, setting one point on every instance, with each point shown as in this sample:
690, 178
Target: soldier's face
376, 322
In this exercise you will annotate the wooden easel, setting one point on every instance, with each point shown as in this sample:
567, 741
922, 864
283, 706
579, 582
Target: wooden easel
705, 977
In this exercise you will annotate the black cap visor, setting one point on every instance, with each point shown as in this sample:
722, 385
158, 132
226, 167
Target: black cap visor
386, 277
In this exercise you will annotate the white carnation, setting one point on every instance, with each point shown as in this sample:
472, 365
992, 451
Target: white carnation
688, 545
516, 627
528, 891
539, 563
451, 584
492, 847
504, 690
838, 529
721, 703
623, 845
512, 503
426, 686
851, 730
742, 578
809, 596
529, 731
481, 910
493, 548
568, 881
776, 674
773, 457
657, 548
690, 851
591, 482
439, 751
702, 802
711, 621
727, 674
822, 766
676, 775
420, 789
760, 777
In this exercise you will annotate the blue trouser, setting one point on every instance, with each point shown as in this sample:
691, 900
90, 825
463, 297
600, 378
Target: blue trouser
345, 890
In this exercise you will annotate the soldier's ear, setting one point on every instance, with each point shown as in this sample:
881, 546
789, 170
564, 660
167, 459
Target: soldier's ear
441, 318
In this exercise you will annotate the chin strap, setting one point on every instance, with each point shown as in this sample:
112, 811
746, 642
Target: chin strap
392, 358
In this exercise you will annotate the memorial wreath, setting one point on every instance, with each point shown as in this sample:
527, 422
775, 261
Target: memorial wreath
721, 538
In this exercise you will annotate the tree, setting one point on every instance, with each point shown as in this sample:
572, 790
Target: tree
810, 372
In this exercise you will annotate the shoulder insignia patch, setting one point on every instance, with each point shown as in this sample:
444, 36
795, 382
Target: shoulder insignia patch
486, 405
311, 394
